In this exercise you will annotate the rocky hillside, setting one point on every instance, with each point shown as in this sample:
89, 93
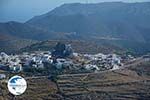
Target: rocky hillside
113, 20
78, 46
125, 25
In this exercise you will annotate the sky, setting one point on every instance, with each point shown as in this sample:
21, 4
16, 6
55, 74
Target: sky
23, 10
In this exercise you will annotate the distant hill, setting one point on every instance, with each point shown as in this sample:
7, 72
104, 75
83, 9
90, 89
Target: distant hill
24, 31
125, 25
11, 44
78, 46
14, 36
113, 20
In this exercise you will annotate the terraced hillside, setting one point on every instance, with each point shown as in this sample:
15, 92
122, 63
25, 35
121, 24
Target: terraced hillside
120, 84
40, 88
130, 83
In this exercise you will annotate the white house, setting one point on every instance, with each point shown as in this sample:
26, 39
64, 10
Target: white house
2, 76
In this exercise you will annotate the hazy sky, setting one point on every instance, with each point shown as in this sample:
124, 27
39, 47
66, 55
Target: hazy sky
23, 10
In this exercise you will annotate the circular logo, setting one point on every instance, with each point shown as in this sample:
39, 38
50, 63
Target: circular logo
17, 85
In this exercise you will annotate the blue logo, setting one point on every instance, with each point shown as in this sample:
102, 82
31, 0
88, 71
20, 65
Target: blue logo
17, 85
15, 79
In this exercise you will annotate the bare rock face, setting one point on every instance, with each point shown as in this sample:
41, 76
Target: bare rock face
62, 50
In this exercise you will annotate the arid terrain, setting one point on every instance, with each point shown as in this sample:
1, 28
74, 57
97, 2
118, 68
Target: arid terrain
130, 83
75, 49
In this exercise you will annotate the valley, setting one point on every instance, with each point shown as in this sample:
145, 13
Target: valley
79, 51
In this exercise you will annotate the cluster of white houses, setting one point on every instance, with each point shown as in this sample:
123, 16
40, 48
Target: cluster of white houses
15, 63
97, 62
100, 62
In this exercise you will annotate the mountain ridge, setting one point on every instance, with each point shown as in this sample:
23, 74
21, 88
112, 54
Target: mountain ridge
102, 19
122, 24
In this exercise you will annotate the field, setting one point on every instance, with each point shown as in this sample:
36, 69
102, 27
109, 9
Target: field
120, 84
130, 83
114, 85
38, 89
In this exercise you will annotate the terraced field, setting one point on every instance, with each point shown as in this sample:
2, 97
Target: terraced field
130, 83
115, 85
38, 89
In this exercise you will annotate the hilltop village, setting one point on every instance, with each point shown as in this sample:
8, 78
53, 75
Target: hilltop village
61, 58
